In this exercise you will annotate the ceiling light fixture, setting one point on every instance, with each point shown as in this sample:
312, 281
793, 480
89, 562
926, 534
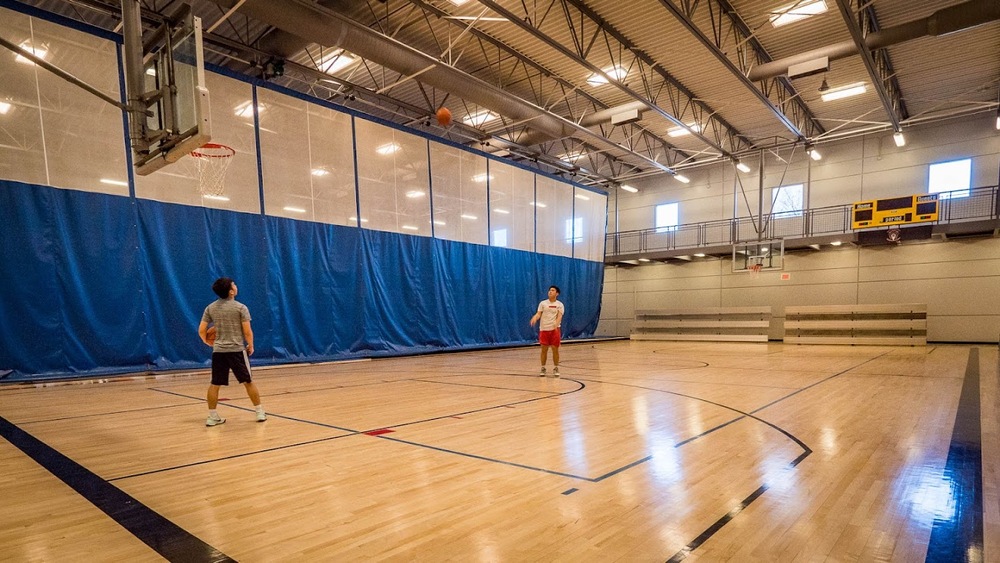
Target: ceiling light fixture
4, 108
615, 72
844, 92
797, 11
742, 167
479, 118
320, 172
630, 189
899, 139
294, 209
335, 61
686, 130
682, 178
414, 194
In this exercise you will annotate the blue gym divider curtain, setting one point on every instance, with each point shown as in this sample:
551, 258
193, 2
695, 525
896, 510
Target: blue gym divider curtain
97, 284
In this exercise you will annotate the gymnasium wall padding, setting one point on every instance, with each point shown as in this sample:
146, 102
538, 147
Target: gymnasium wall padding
98, 284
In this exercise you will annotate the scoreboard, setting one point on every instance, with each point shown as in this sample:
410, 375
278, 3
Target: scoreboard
894, 211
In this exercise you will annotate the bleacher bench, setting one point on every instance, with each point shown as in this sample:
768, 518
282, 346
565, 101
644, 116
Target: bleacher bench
903, 324
733, 324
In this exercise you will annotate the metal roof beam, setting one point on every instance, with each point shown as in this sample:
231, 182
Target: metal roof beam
876, 71
786, 106
659, 88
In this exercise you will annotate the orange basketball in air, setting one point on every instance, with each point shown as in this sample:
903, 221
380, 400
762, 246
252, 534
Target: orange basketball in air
444, 117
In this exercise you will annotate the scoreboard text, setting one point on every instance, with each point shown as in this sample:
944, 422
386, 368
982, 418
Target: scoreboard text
894, 211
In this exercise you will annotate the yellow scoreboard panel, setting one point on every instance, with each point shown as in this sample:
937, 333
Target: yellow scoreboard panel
894, 211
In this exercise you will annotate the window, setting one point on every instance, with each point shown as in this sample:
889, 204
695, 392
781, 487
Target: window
666, 217
950, 179
574, 230
786, 201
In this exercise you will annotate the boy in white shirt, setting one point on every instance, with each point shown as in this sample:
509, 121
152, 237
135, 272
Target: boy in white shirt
550, 312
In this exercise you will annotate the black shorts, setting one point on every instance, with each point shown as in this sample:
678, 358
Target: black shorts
222, 362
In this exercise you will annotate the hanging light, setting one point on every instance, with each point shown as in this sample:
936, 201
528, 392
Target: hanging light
899, 139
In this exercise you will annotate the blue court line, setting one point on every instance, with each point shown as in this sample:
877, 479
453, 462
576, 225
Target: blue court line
960, 538
166, 538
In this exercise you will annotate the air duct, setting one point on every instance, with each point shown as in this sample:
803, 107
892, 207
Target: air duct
319, 25
948, 20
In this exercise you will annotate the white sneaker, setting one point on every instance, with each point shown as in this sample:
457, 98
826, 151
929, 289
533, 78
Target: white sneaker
542, 373
214, 421
261, 417
555, 372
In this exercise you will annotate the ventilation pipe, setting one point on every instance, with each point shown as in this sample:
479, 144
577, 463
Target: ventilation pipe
322, 26
942, 22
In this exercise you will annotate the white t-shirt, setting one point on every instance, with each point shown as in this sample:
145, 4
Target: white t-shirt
549, 310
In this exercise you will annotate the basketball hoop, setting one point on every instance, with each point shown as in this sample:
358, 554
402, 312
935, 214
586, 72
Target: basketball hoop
213, 161
755, 269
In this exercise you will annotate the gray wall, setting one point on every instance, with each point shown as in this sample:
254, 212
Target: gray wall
959, 280
862, 168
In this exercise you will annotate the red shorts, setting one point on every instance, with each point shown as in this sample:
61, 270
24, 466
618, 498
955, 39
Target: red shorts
549, 338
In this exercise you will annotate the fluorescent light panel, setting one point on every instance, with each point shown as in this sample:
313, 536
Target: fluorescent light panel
797, 11
469, 217
899, 139
111, 182
501, 211
479, 118
630, 189
413, 194
844, 92
335, 61
320, 172
742, 167
681, 131
615, 72
682, 178
292, 209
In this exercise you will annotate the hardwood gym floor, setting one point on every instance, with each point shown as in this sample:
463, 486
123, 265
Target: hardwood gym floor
642, 451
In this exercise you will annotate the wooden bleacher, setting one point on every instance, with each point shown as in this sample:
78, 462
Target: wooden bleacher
889, 324
737, 324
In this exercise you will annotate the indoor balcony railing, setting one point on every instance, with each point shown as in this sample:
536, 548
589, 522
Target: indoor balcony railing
960, 213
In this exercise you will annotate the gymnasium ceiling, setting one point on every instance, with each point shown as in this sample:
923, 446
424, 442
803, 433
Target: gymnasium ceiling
552, 73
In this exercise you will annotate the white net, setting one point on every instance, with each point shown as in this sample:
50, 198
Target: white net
213, 161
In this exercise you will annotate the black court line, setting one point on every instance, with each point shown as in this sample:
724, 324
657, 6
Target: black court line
960, 538
166, 538
715, 527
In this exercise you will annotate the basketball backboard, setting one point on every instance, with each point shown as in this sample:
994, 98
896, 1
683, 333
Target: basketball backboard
173, 91
767, 254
